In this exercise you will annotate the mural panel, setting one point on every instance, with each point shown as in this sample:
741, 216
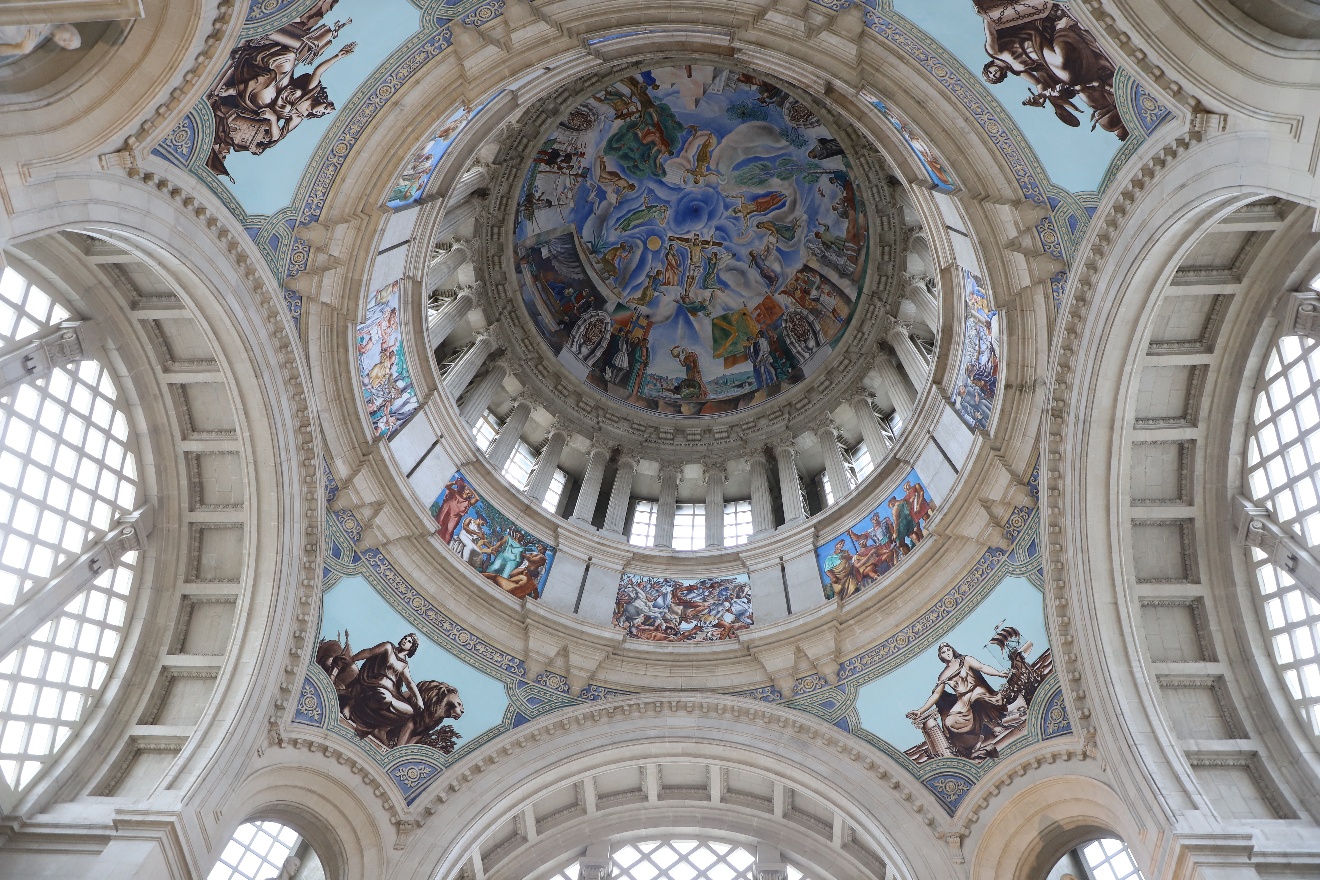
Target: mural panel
394, 687
509, 556
383, 372
978, 371
666, 609
865, 553
689, 240
412, 180
941, 704
940, 178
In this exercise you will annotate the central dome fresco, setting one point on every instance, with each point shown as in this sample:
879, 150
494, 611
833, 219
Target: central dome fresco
689, 240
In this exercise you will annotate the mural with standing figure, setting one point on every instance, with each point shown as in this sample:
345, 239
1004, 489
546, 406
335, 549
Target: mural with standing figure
978, 370
940, 178
507, 555
690, 241
667, 609
862, 555
383, 374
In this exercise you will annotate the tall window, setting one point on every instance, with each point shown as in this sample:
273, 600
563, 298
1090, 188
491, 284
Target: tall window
1283, 474
689, 526
737, 522
826, 490
642, 532
555, 492
862, 463
519, 466
66, 473
485, 431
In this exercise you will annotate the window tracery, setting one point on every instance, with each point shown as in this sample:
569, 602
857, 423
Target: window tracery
1283, 474
257, 851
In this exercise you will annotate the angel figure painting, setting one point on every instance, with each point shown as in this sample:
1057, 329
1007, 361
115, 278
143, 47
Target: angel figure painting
379, 699
261, 96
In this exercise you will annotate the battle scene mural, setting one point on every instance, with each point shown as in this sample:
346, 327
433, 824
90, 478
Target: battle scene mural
396, 688
667, 609
973, 694
383, 372
863, 554
507, 555
940, 178
690, 241
978, 370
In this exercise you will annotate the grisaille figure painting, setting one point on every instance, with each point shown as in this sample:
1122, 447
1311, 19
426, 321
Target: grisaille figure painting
507, 555
379, 699
690, 241
1059, 59
968, 717
261, 96
863, 554
667, 609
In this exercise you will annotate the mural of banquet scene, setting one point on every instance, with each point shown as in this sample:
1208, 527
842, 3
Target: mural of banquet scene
978, 374
974, 693
863, 554
689, 240
667, 609
383, 374
507, 555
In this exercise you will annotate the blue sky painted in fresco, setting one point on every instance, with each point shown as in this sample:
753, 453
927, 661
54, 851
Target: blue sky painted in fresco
1076, 158
882, 703
353, 605
266, 183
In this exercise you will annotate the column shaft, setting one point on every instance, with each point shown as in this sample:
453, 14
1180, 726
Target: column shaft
446, 264
715, 477
911, 357
664, 515
926, 305
478, 398
790, 487
835, 468
546, 463
461, 373
616, 515
763, 515
589, 492
505, 443
896, 385
872, 434
446, 319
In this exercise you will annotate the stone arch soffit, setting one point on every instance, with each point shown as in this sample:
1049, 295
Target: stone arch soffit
256, 345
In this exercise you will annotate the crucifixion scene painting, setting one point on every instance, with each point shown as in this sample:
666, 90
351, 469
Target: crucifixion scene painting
690, 240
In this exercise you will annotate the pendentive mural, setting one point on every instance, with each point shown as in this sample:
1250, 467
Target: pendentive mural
507, 555
383, 374
668, 609
689, 240
978, 370
863, 554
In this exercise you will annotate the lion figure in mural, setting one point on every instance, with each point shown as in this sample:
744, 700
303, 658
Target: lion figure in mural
379, 699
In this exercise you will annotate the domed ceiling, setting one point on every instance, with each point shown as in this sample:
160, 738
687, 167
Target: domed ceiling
689, 240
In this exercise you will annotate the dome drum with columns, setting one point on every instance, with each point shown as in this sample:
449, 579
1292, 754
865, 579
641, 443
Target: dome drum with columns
757, 440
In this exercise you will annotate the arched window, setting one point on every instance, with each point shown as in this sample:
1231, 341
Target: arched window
678, 860
67, 472
267, 851
1105, 859
1283, 474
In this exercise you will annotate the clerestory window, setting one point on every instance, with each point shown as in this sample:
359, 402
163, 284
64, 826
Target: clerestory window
679, 860
1283, 475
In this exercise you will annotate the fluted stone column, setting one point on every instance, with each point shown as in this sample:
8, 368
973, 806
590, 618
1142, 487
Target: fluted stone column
616, 515
664, 512
790, 486
911, 357
924, 302
507, 441
447, 316
544, 471
453, 254
715, 476
461, 373
897, 386
763, 514
477, 400
873, 434
457, 214
835, 468
589, 492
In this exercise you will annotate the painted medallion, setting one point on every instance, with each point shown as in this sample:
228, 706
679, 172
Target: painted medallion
689, 240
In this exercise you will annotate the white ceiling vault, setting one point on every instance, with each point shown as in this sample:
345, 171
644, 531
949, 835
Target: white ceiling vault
416, 558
